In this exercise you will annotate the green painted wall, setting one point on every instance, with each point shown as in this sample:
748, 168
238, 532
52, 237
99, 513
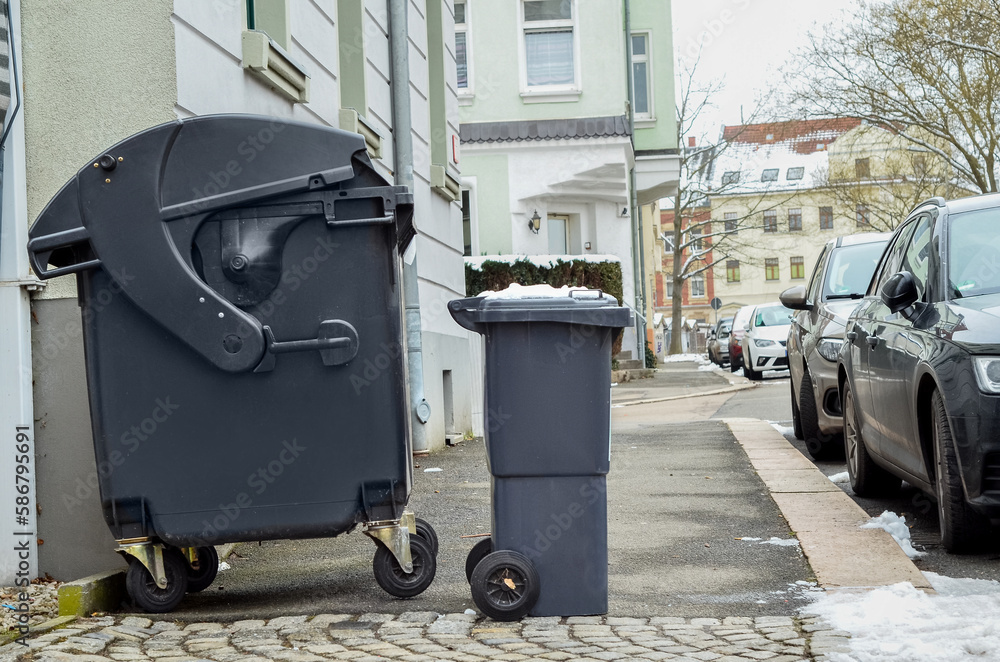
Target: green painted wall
91, 79
495, 63
492, 201
654, 16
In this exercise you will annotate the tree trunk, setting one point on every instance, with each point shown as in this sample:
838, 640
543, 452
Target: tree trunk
676, 298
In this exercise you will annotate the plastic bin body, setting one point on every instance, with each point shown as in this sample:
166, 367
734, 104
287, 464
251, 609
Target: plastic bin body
548, 414
196, 446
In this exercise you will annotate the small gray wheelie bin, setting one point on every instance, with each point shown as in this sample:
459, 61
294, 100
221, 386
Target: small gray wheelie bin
239, 280
548, 417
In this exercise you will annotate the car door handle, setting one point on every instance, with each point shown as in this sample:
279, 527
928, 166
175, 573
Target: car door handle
872, 341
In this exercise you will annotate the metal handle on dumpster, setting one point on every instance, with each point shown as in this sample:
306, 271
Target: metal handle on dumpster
336, 341
573, 293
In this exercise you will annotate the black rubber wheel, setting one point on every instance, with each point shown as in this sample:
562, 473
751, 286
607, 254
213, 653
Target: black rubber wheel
208, 568
394, 581
478, 552
796, 418
867, 478
505, 585
820, 446
748, 370
962, 529
427, 532
147, 595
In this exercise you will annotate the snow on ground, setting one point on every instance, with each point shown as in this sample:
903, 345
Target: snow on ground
710, 366
780, 542
545, 261
896, 527
783, 430
842, 477
960, 622
700, 359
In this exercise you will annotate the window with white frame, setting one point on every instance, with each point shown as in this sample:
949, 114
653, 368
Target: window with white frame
462, 46
642, 79
549, 43
698, 285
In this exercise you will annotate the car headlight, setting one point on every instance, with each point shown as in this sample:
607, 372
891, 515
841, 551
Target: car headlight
988, 373
829, 348
762, 342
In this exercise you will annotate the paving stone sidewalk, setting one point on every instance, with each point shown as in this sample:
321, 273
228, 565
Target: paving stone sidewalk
419, 636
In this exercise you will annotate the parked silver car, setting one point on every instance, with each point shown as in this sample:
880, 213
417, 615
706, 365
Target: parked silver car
718, 342
839, 281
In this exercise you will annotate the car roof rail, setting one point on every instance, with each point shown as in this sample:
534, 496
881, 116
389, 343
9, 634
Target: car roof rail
937, 201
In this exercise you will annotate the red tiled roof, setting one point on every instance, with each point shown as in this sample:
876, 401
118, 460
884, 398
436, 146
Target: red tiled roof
803, 136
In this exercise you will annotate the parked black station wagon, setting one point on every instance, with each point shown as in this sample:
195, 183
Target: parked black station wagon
920, 367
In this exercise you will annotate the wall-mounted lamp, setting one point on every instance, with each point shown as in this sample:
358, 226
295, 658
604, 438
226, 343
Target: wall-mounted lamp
535, 222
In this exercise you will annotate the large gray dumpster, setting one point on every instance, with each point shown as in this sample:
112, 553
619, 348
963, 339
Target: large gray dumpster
238, 278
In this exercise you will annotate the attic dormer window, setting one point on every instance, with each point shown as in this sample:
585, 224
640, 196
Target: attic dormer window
795, 173
730, 177
769, 175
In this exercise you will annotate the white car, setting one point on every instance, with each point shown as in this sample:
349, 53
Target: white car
765, 338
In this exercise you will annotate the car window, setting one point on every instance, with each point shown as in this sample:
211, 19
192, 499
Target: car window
974, 253
817, 277
742, 317
916, 258
773, 316
851, 269
891, 259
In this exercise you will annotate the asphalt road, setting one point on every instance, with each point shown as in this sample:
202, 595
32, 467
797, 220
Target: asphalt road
772, 402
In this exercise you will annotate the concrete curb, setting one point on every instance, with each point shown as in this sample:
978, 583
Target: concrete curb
824, 518
102, 592
97, 593
718, 391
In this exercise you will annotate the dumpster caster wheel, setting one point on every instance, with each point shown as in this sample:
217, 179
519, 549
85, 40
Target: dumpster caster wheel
394, 581
477, 554
208, 568
427, 532
505, 585
147, 595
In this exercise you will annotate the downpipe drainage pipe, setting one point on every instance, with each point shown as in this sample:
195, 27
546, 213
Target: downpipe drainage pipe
420, 410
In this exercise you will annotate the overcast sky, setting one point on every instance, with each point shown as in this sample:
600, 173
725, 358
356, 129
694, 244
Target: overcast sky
744, 43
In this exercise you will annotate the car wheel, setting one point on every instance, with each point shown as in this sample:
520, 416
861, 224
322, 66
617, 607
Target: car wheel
867, 478
962, 528
820, 446
748, 371
796, 419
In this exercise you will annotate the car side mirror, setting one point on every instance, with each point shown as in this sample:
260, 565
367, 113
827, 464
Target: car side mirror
795, 298
900, 291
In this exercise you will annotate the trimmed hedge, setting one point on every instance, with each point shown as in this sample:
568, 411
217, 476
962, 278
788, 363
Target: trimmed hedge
498, 275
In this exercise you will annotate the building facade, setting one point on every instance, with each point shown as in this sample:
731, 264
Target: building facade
547, 128
325, 62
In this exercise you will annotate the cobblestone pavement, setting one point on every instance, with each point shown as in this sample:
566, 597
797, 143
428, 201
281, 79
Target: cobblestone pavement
419, 636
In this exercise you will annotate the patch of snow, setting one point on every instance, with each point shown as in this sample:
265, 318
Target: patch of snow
470, 612
709, 367
476, 261
781, 542
515, 291
223, 566
842, 477
896, 527
700, 359
432, 470
900, 622
783, 429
